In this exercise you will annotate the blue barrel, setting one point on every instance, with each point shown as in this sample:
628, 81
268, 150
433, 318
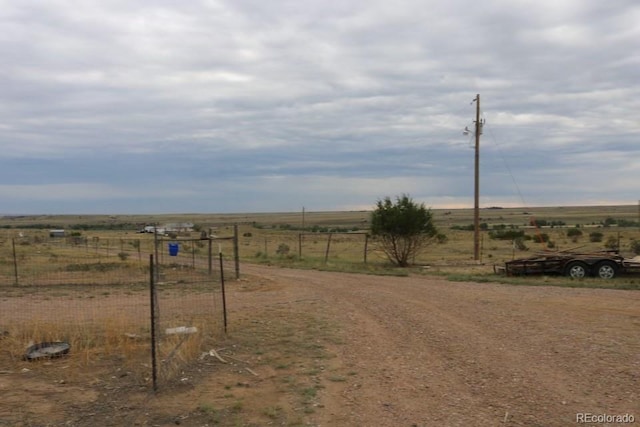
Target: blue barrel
173, 249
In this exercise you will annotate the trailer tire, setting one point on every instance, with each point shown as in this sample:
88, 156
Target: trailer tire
577, 270
606, 270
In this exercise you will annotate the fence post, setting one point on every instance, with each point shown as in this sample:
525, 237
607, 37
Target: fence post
224, 298
210, 258
366, 244
15, 262
236, 256
155, 244
152, 297
326, 254
300, 245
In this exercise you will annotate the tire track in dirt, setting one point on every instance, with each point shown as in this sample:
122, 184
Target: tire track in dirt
431, 352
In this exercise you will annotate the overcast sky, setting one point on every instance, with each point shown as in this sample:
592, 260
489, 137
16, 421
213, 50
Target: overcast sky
120, 106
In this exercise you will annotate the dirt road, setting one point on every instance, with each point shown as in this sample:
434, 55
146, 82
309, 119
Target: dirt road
432, 352
335, 349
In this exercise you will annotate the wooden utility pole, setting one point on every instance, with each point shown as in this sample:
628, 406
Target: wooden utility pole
476, 204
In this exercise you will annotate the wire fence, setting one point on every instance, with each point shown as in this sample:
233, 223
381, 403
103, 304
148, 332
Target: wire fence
352, 247
97, 297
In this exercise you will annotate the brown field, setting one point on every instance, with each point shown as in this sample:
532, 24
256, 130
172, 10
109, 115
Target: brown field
262, 233
309, 347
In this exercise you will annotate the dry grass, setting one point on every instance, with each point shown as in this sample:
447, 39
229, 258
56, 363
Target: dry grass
89, 296
262, 234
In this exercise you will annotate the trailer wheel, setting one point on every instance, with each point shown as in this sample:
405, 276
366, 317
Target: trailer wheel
607, 270
577, 270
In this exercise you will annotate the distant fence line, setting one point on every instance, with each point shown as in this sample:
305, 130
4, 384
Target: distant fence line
27, 260
348, 246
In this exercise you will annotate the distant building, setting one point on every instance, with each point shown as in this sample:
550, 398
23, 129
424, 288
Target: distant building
179, 227
56, 233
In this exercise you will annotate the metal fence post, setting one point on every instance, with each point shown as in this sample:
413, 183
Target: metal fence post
15, 262
236, 255
152, 297
366, 244
326, 254
210, 255
224, 298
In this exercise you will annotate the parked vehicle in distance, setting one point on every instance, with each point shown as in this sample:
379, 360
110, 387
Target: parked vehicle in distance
604, 264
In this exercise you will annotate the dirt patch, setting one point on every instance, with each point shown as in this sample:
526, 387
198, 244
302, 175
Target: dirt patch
319, 348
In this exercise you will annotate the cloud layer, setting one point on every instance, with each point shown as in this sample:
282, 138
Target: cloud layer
229, 106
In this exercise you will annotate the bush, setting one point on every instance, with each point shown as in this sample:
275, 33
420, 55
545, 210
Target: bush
611, 243
441, 238
595, 236
574, 232
123, 256
283, 249
506, 234
540, 238
469, 227
635, 246
404, 228
519, 243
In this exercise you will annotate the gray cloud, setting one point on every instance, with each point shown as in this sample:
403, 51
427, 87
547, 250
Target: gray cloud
249, 105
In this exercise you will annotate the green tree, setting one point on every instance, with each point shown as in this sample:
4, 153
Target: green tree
404, 228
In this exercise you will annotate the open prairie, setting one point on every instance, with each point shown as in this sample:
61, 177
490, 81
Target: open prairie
307, 347
261, 234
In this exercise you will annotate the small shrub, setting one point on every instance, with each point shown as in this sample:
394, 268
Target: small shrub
611, 243
283, 249
574, 232
519, 244
595, 236
469, 227
540, 238
506, 234
123, 256
635, 246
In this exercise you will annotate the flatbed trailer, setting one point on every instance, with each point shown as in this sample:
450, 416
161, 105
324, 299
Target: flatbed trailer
605, 264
